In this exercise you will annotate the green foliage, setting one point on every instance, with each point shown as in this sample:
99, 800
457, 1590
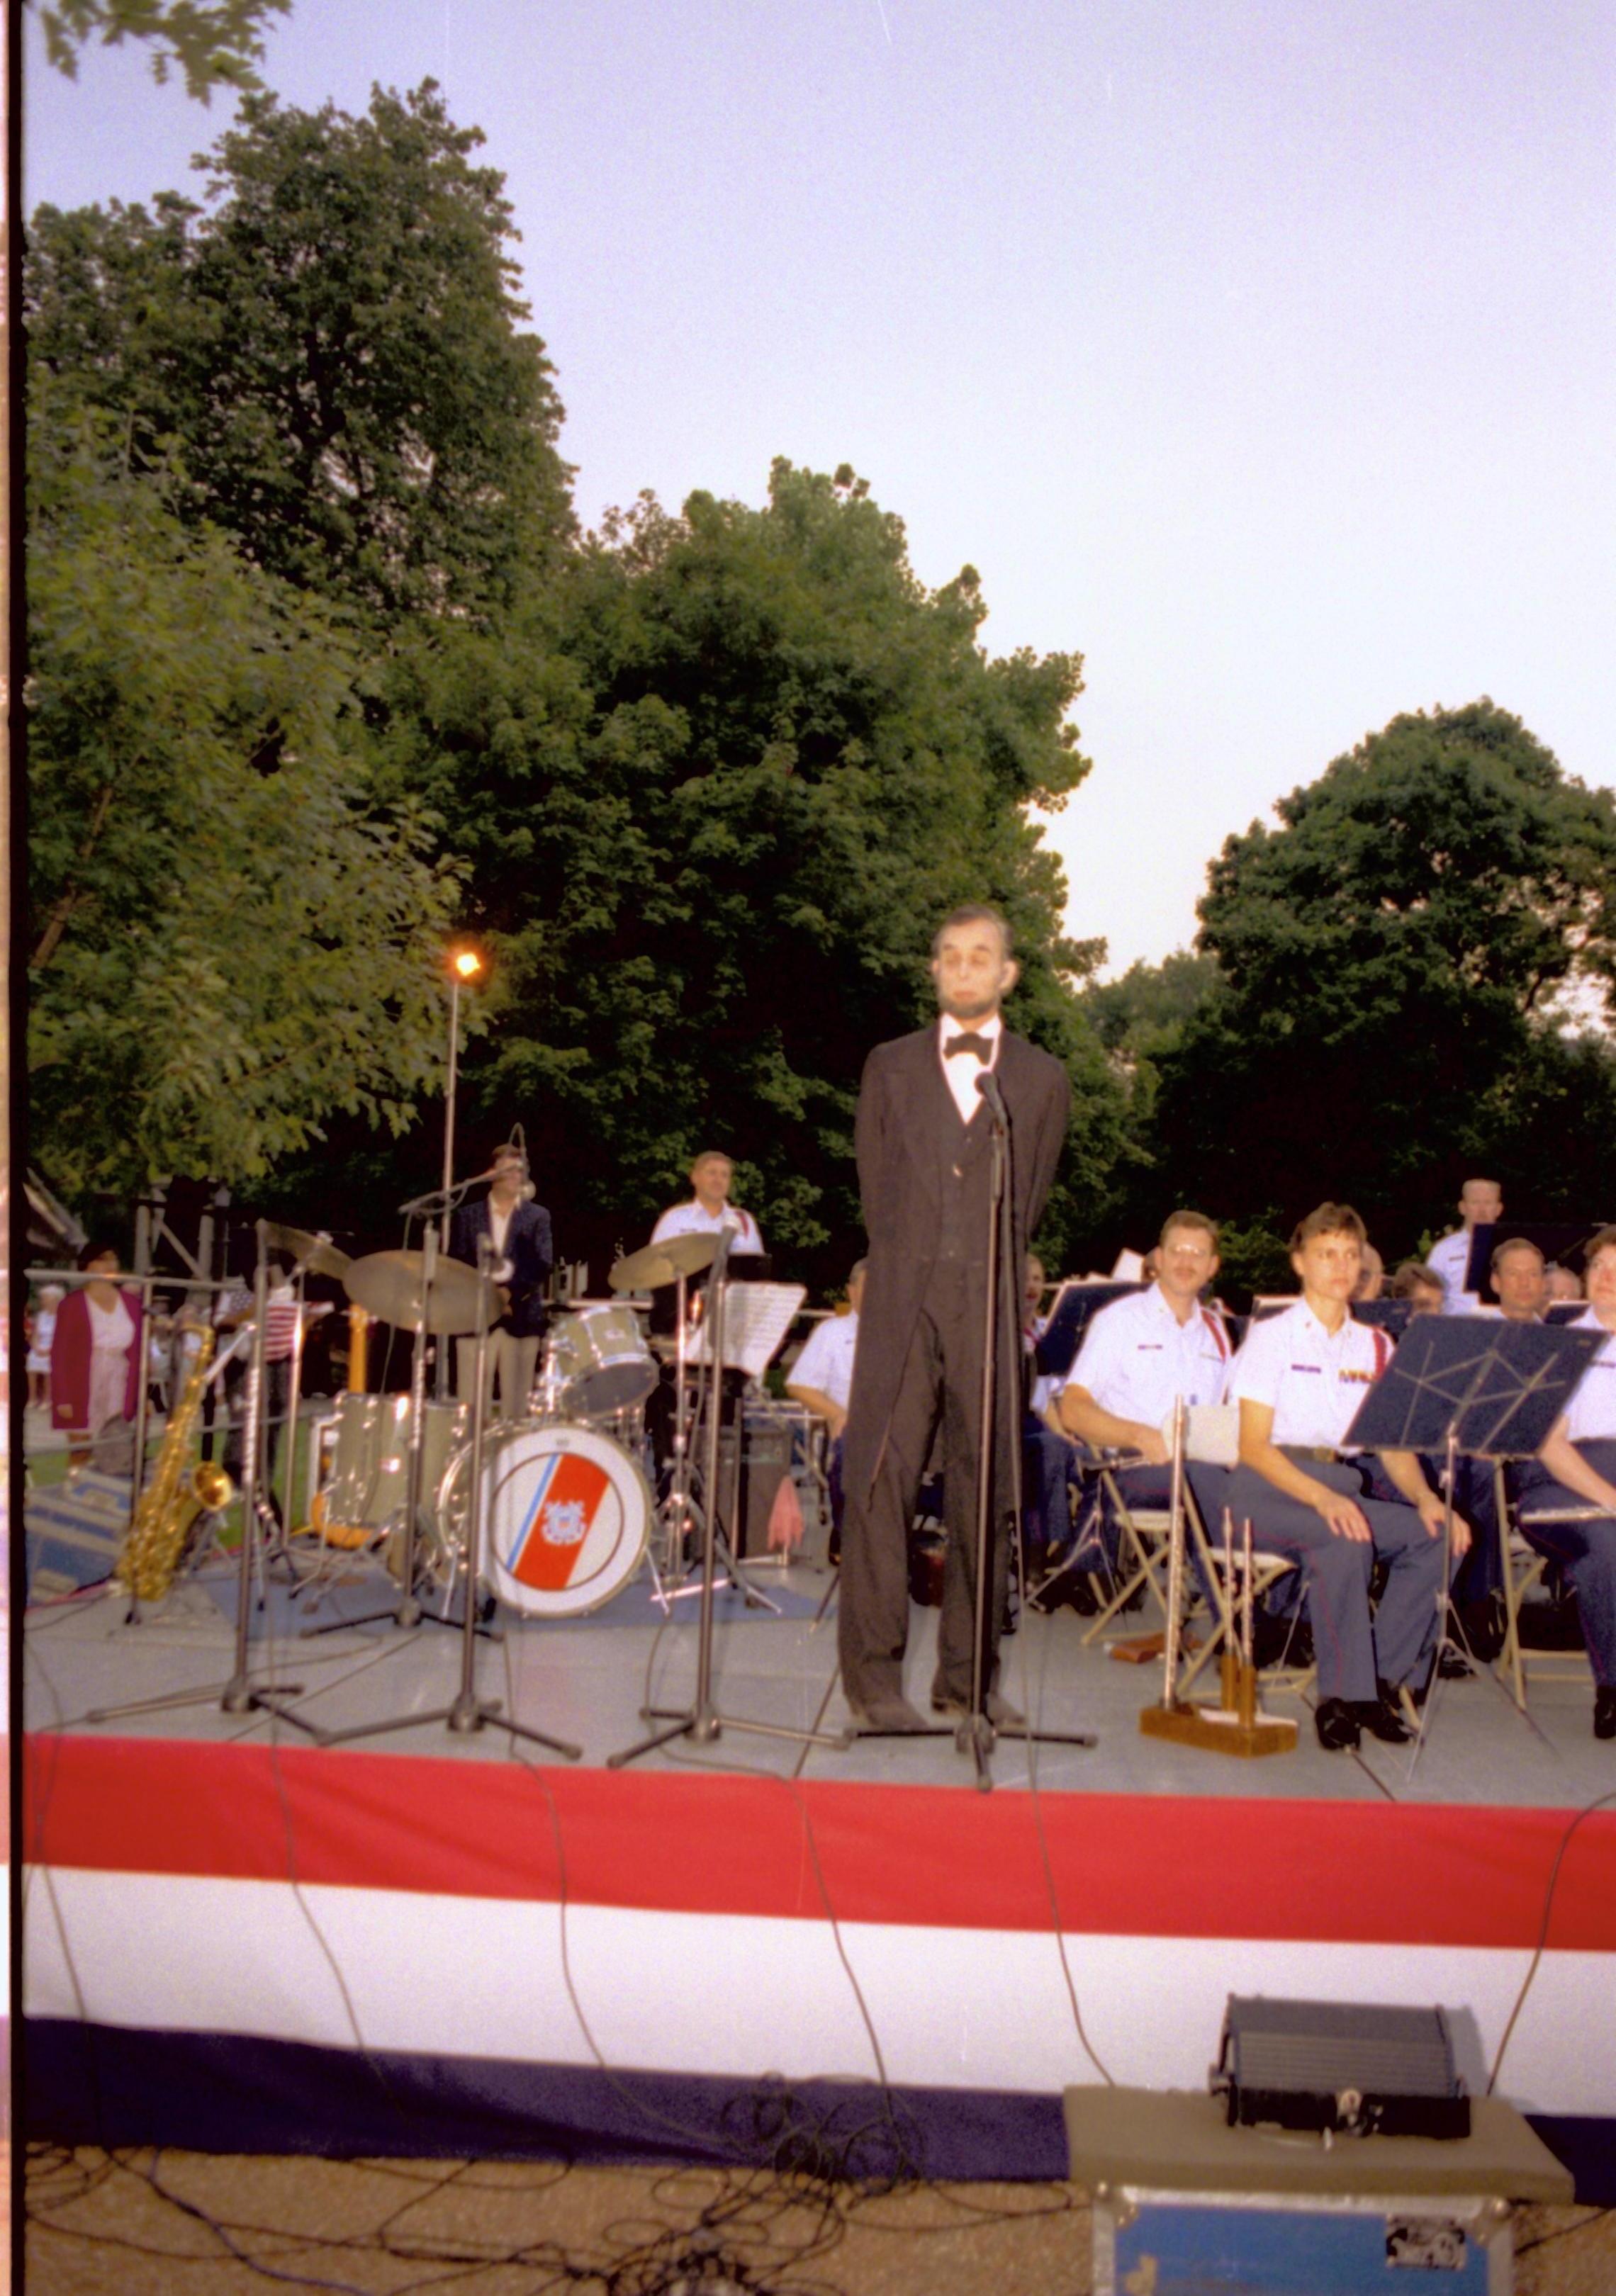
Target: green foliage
215, 43
328, 348
230, 936
1389, 959
1143, 1012
1253, 1257
714, 794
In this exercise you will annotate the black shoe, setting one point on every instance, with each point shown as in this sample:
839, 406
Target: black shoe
1605, 1711
1001, 1713
1336, 1722
1453, 1666
1382, 1718
885, 1717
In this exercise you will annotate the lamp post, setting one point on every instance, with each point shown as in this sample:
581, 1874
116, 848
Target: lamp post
465, 965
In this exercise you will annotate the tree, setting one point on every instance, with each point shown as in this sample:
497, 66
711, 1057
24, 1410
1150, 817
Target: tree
328, 349
1390, 961
215, 43
231, 939
714, 795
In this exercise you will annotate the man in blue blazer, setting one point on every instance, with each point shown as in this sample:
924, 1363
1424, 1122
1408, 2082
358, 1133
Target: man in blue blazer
519, 1230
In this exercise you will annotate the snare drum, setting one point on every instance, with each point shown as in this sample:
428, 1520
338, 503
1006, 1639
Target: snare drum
565, 1516
602, 1361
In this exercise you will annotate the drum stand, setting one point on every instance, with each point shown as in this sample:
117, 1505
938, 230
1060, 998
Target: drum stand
468, 1712
681, 1508
240, 1694
702, 1721
409, 1611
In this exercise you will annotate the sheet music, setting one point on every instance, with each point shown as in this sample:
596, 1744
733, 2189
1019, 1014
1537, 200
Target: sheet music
757, 1317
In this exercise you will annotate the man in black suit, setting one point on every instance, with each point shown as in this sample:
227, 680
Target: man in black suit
923, 1140
519, 1231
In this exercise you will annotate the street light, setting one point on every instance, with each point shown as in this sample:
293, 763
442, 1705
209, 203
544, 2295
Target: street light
463, 964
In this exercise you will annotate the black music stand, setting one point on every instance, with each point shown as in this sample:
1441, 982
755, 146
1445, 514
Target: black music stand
1479, 1385
1076, 1306
1564, 1241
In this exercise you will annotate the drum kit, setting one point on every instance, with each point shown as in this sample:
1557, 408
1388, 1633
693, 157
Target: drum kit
566, 1512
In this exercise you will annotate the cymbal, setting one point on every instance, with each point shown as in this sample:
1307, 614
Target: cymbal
387, 1284
647, 1270
318, 1253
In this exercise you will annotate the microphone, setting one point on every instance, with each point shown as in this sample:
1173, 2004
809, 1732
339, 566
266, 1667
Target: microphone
988, 1085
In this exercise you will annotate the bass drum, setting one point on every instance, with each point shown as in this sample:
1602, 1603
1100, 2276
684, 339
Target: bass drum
566, 1514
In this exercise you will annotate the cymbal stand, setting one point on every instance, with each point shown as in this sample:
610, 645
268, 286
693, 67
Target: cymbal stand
240, 1694
702, 1721
467, 1712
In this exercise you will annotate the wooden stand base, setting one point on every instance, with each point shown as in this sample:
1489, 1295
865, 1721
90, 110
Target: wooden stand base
1219, 1730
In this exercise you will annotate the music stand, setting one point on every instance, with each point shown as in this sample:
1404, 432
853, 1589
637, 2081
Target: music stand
1477, 1384
702, 1720
1076, 1306
1562, 1241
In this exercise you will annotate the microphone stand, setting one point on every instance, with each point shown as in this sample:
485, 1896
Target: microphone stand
702, 1720
467, 1712
1002, 1292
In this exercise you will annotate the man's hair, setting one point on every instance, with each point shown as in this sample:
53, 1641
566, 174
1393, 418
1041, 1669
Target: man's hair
974, 913
1329, 1219
1197, 1220
713, 1156
1514, 1243
1413, 1277
96, 1247
1603, 1241
1479, 1180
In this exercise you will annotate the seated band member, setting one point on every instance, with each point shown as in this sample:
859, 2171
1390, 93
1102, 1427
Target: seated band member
1298, 1380
1048, 1455
822, 1379
1421, 1286
1140, 1355
1519, 1281
709, 1208
1576, 1467
518, 1231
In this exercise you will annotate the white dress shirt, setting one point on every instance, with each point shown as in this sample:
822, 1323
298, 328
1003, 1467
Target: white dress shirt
1590, 1415
694, 1218
1450, 1257
961, 1071
826, 1361
1313, 1380
1137, 1358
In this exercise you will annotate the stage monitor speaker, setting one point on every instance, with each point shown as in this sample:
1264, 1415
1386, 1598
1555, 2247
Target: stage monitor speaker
1355, 2071
766, 1460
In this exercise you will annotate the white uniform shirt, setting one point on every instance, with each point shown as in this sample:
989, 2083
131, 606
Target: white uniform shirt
1137, 1358
961, 1071
1590, 1415
826, 1361
1313, 1381
1450, 1257
694, 1219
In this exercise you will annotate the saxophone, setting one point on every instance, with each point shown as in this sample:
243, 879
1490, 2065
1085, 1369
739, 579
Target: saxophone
167, 1510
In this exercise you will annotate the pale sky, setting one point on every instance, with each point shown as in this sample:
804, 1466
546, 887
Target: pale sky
1260, 350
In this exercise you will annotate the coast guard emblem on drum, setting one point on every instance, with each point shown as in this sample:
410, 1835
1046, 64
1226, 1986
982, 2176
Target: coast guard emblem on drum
563, 1522
554, 1525
565, 1516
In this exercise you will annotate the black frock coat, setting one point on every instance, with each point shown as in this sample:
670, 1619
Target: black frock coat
529, 1250
908, 1122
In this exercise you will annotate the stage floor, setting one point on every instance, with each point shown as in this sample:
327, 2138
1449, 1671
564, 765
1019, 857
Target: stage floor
585, 1681
238, 1939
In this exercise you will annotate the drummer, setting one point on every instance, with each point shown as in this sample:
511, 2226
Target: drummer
518, 1231
710, 1208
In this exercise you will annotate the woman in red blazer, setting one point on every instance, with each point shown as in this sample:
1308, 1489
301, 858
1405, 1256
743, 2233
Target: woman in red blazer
96, 1353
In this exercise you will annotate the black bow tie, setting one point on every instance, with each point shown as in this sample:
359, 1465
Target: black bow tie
982, 1046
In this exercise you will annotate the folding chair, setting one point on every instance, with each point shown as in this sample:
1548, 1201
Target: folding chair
1142, 1538
1523, 1569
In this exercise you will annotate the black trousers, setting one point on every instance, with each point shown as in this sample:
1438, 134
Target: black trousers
942, 1379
